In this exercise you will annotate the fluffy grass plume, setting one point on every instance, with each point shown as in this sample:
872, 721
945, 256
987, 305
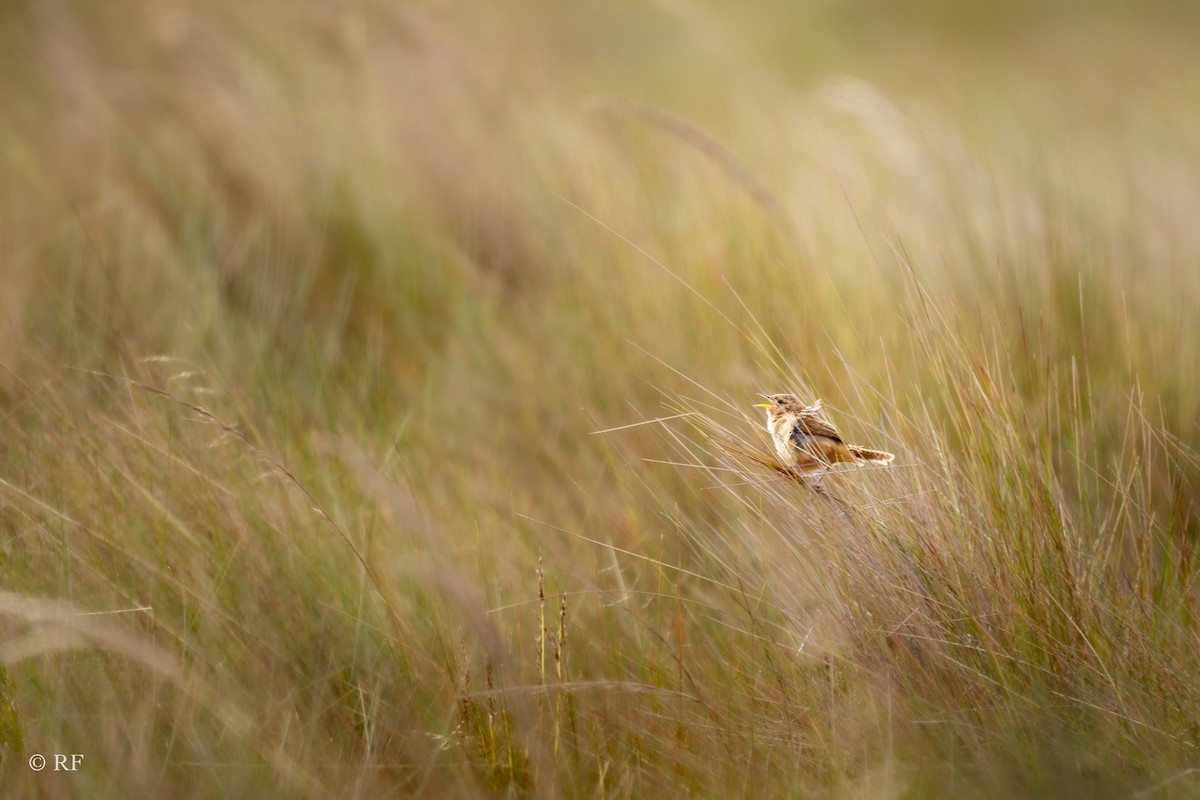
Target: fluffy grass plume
377, 384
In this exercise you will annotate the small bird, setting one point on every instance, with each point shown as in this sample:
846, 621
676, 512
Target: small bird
808, 442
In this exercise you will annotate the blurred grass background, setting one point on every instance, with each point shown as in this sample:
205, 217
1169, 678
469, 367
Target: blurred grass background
310, 315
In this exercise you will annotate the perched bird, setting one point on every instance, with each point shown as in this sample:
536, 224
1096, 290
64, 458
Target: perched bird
807, 441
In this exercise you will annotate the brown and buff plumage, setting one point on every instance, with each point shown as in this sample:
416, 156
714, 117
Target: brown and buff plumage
807, 441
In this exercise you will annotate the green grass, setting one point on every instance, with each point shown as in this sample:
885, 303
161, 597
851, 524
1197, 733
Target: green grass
376, 400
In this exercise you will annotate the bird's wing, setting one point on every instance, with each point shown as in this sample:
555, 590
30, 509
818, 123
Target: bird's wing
815, 426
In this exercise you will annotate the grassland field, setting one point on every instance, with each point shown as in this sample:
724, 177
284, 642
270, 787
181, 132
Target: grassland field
377, 383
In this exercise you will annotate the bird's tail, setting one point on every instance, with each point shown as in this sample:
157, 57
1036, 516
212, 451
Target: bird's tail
874, 456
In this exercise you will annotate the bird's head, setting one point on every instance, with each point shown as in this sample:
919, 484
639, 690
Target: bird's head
784, 403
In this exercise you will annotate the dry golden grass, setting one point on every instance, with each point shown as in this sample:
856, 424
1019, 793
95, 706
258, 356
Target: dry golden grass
376, 395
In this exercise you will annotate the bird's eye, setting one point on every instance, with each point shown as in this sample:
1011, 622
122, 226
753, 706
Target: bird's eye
778, 401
